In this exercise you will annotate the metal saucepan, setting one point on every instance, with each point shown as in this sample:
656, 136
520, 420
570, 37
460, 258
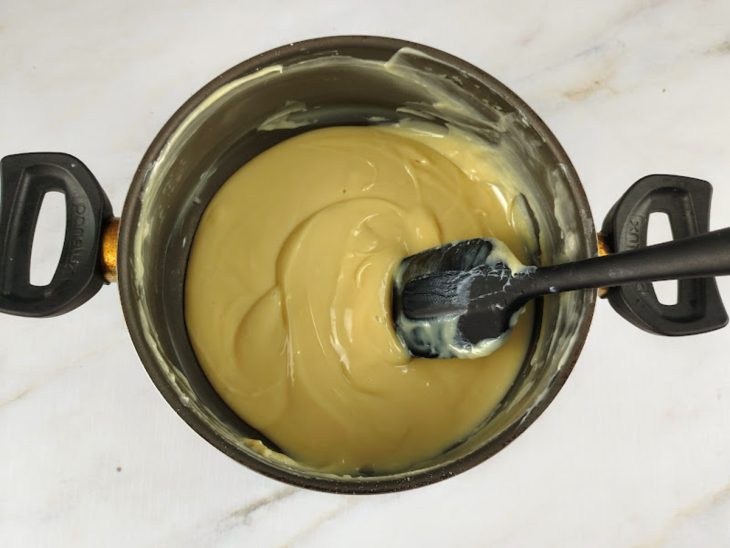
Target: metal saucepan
259, 103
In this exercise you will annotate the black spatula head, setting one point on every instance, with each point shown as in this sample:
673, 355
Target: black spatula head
437, 293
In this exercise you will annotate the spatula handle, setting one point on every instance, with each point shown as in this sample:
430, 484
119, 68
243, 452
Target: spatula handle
696, 257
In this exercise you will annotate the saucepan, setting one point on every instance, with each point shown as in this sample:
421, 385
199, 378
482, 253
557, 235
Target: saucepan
348, 80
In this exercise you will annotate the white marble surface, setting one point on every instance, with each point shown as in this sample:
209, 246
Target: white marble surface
635, 451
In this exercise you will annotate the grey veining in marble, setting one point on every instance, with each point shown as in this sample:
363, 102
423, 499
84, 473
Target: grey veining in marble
633, 452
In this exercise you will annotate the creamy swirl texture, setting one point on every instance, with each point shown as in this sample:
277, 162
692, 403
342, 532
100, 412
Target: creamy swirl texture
289, 283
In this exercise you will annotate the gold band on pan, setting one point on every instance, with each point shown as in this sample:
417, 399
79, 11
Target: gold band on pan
109, 240
603, 250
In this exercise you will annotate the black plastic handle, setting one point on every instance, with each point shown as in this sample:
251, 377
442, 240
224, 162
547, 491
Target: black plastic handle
694, 257
686, 202
24, 181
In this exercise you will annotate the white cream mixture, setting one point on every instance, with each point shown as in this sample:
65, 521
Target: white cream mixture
289, 283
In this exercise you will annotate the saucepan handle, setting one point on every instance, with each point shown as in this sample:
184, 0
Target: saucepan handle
686, 202
24, 181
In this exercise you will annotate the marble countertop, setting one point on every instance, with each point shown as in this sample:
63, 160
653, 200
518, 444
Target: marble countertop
633, 452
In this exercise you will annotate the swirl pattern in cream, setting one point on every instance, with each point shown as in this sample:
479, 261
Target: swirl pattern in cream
288, 294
